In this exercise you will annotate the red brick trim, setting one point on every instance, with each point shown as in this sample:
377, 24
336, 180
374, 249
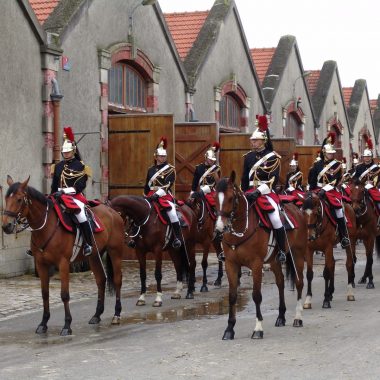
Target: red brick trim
237, 90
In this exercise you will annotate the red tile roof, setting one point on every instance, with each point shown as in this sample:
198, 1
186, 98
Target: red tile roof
347, 92
262, 59
43, 8
373, 104
312, 80
184, 28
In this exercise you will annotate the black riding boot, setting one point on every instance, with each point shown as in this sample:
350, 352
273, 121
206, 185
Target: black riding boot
87, 238
344, 240
177, 235
280, 237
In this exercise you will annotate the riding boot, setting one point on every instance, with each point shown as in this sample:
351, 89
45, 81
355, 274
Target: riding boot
344, 240
177, 235
280, 237
87, 237
218, 239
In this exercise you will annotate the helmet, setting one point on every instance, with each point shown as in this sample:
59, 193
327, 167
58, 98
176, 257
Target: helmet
161, 147
369, 146
69, 142
210, 153
262, 128
355, 158
328, 144
294, 160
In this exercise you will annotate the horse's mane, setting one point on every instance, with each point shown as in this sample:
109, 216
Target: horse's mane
356, 181
222, 185
308, 202
31, 191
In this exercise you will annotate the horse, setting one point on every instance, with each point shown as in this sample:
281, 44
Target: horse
367, 228
151, 236
205, 237
322, 237
52, 244
245, 243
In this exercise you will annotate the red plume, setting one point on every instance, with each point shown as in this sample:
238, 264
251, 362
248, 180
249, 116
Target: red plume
368, 141
69, 133
216, 146
164, 141
295, 156
262, 123
332, 137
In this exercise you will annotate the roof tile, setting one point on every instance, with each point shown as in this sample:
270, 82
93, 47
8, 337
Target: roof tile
262, 58
347, 92
312, 80
43, 8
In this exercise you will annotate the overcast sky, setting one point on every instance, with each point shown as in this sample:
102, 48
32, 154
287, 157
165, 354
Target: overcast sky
346, 31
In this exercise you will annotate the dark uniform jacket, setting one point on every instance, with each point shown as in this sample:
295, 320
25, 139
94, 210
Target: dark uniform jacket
332, 176
371, 176
71, 173
165, 180
267, 172
210, 179
296, 181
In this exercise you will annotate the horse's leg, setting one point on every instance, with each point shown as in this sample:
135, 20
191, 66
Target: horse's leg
116, 259
257, 275
232, 270
328, 272
141, 256
193, 263
206, 248
178, 269
64, 272
158, 276
218, 249
279, 276
43, 272
298, 258
369, 245
309, 277
350, 267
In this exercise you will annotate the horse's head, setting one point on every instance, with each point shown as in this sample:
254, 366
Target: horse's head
226, 201
313, 209
16, 204
357, 195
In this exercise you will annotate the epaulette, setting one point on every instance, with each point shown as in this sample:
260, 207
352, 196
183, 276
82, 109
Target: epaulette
88, 170
52, 168
278, 156
245, 154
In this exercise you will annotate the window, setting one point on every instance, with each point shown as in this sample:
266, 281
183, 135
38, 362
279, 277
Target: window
127, 89
229, 113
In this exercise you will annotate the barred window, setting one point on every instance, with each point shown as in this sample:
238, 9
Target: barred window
127, 89
229, 113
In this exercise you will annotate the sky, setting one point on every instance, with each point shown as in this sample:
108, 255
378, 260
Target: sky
345, 31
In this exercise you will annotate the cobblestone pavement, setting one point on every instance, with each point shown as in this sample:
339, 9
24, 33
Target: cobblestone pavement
22, 295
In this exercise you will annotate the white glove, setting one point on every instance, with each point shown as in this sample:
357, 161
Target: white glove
264, 189
160, 192
368, 186
67, 190
327, 187
290, 188
206, 189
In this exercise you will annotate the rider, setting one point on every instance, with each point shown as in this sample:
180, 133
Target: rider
346, 177
294, 178
159, 181
70, 177
260, 176
324, 176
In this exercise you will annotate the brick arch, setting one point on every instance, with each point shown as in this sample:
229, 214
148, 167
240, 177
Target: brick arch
236, 89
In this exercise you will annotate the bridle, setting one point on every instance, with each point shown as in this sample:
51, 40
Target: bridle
363, 207
317, 226
137, 226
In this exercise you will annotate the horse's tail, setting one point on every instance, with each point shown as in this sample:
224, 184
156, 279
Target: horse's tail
110, 274
377, 245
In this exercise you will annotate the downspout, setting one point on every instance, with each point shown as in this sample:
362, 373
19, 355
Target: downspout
56, 98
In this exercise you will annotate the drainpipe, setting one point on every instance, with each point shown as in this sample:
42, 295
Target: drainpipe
56, 98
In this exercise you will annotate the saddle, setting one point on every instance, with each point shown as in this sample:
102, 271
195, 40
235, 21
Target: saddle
287, 219
327, 210
65, 209
163, 217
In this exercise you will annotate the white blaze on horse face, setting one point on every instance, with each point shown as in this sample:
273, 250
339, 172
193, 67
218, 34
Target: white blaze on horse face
219, 222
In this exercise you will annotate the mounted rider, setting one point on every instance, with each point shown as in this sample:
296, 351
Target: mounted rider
159, 181
368, 173
70, 177
324, 176
260, 176
294, 178
346, 178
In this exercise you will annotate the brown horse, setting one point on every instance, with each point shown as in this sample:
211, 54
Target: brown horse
245, 243
205, 237
51, 244
367, 229
322, 237
151, 236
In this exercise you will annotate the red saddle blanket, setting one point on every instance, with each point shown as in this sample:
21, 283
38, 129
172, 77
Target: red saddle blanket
327, 210
66, 219
287, 219
164, 219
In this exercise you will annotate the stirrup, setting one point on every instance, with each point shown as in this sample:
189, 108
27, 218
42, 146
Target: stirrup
345, 242
176, 243
87, 250
281, 257
29, 252
221, 257
131, 244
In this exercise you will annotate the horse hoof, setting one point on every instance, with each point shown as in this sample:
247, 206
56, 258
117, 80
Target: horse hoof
189, 296
362, 281
326, 305
140, 303
157, 304
115, 320
66, 332
41, 329
297, 323
350, 298
229, 335
280, 322
204, 289
94, 320
370, 285
307, 305
218, 283
257, 335
176, 296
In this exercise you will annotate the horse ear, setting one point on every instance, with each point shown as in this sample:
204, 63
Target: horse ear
232, 177
9, 180
25, 184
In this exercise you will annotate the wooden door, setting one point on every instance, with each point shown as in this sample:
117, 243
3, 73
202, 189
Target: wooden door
132, 141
